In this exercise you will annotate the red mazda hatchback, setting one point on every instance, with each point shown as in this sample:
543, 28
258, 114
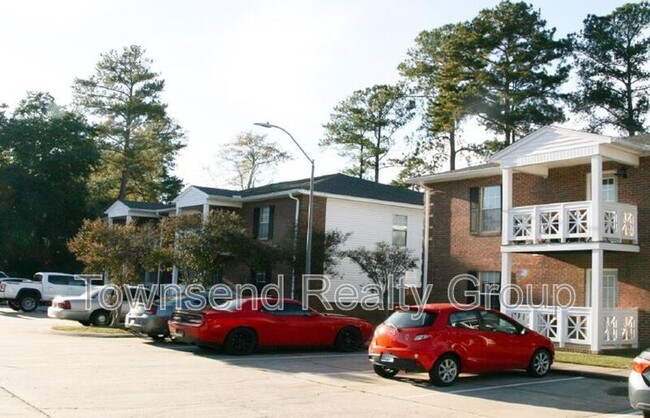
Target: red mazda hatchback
446, 340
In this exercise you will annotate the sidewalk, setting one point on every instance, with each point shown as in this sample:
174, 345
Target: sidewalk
608, 373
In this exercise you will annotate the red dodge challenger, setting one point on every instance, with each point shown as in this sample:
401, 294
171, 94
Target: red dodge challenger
242, 325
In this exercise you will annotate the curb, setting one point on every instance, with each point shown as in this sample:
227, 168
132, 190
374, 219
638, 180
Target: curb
591, 374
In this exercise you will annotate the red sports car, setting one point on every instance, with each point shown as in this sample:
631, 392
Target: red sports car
446, 340
242, 325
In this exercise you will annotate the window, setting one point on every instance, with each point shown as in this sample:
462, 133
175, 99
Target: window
263, 222
485, 210
410, 319
260, 278
288, 308
609, 288
464, 319
495, 322
610, 187
400, 225
60, 280
490, 286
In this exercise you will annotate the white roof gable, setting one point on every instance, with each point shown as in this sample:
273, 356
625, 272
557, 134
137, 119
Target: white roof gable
117, 209
552, 145
191, 196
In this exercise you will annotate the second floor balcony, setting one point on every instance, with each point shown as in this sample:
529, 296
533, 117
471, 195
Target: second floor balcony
573, 222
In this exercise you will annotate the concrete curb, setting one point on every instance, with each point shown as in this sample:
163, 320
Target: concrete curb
570, 369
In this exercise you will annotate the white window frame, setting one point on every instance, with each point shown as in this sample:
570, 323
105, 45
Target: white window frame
607, 175
483, 277
398, 226
610, 290
482, 209
264, 226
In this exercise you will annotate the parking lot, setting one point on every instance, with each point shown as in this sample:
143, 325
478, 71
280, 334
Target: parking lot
53, 374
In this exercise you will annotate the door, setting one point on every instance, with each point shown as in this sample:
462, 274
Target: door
609, 288
469, 340
509, 348
289, 324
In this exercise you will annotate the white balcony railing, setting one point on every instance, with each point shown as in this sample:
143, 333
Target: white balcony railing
573, 325
571, 222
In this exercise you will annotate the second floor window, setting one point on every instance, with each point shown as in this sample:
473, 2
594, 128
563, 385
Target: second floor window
485, 210
263, 222
400, 225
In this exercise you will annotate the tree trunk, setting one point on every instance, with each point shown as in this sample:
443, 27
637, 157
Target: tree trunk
452, 149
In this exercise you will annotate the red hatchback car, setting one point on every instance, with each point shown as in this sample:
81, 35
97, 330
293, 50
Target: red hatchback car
446, 340
242, 325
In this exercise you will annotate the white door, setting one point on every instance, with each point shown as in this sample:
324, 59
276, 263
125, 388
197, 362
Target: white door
609, 288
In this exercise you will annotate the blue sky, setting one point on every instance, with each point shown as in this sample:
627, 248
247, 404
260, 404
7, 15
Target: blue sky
228, 64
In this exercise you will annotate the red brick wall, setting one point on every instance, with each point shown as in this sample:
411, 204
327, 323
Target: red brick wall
452, 250
283, 234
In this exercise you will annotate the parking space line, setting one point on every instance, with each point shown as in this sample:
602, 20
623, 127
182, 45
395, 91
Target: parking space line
511, 385
271, 357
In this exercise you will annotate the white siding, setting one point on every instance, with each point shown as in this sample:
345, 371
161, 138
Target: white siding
369, 223
191, 197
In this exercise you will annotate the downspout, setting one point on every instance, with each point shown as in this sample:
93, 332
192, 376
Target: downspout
295, 245
425, 257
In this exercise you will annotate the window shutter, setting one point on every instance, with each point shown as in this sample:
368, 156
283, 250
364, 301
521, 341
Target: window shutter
474, 196
256, 222
271, 212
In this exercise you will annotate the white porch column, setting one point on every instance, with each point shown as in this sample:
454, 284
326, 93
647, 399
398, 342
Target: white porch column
110, 221
596, 333
206, 211
506, 279
506, 205
597, 198
129, 219
506, 258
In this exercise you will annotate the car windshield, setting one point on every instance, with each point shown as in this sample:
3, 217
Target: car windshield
410, 319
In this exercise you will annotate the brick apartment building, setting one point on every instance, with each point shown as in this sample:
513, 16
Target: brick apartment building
558, 207
370, 211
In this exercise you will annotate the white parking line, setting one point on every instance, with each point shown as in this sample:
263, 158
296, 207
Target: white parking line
299, 357
539, 382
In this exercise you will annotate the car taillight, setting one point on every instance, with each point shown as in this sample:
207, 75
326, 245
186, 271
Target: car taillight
152, 310
641, 365
64, 305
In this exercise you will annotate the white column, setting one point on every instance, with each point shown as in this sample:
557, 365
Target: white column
206, 211
506, 204
425, 257
597, 213
596, 299
506, 278
110, 221
129, 218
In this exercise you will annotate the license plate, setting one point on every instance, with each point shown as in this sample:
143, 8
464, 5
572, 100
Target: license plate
387, 358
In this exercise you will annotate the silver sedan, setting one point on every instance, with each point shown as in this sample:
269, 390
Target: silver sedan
639, 383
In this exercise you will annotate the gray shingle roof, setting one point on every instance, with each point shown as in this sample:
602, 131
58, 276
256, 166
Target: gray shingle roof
341, 184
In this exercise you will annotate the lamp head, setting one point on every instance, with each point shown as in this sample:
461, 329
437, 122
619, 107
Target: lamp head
263, 124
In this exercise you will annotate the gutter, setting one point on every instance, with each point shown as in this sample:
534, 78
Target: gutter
295, 244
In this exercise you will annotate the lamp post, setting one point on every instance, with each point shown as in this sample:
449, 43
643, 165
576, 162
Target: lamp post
310, 210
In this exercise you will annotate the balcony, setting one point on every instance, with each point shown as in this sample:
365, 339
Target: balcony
571, 222
619, 327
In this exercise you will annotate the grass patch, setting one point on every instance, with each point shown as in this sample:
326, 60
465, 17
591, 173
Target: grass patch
622, 361
80, 329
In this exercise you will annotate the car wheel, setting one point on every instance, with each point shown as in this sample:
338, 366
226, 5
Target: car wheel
540, 363
84, 323
13, 305
100, 318
646, 414
348, 339
28, 303
384, 372
445, 371
241, 342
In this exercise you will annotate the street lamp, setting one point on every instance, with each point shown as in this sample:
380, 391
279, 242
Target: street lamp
310, 210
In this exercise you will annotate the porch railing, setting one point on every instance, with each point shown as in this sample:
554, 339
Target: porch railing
571, 221
573, 325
